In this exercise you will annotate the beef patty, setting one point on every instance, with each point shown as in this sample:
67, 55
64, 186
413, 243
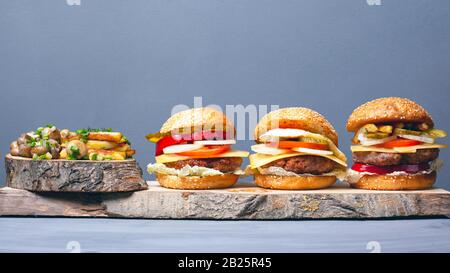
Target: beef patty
305, 164
391, 159
224, 164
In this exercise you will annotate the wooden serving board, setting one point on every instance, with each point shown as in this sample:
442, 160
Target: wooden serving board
239, 202
61, 175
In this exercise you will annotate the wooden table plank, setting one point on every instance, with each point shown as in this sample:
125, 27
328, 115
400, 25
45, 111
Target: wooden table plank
239, 202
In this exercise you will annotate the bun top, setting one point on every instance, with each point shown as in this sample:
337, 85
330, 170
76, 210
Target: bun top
386, 110
197, 119
296, 118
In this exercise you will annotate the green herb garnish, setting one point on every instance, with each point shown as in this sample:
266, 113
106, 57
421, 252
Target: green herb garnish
39, 130
47, 144
125, 140
74, 153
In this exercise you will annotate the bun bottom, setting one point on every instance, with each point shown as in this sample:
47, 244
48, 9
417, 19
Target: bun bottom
197, 183
276, 182
394, 183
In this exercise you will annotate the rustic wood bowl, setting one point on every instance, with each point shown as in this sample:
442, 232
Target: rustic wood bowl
60, 175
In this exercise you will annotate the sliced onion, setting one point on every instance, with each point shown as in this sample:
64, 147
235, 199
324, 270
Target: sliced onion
312, 151
264, 149
282, 132
370, 142
174, 149
216, 142
419, 138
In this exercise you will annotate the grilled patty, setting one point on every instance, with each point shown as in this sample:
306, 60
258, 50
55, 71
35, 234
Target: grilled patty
390, 159
305, 164
225, 165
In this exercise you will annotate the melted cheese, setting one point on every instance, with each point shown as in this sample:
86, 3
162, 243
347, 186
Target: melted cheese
397, 150
259, 160
166, 158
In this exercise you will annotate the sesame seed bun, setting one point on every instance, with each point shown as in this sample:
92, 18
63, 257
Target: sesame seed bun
196, 182
276, 182
386, 110
197, 119
296, 118
394, 183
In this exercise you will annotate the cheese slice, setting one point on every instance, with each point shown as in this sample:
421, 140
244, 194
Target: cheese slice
166, 158
397, 150
259, 160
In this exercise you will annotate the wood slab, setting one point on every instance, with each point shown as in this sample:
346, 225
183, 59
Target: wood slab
73, 175
239, 202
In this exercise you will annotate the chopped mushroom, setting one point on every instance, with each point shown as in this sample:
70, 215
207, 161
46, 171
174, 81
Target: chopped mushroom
55, 148
76, 149
24, 150
14, 148
51, 133
39, 149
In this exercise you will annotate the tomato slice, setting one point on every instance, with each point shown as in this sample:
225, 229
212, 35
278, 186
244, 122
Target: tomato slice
390, 169
167, 141
399, 143
287, 144
206, 151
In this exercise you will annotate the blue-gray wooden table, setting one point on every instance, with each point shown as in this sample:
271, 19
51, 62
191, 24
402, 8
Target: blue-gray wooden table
121, 235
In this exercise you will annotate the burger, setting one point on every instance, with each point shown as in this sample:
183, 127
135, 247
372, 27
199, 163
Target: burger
297, 149
394, 146
193, 151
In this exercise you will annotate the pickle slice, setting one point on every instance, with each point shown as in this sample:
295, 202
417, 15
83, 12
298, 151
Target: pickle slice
313, 140
399, 131
370, 128
386, 129
436, 133
400, 125
377, 135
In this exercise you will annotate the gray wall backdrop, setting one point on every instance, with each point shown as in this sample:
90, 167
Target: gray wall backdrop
124, 64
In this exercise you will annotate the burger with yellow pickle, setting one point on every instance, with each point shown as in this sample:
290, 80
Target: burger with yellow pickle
193, 151
297, 149
394, 147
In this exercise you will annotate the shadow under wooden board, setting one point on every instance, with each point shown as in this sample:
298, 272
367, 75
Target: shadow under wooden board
242, 202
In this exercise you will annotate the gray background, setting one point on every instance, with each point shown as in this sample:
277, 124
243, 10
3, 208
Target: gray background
125, 64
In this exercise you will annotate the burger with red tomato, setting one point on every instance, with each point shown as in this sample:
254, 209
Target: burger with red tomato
193, 151
394, 146
297, 149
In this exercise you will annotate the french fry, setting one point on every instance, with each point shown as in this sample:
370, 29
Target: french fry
123, 147
130, 153
106, 155
70, 138
100, 145
105, 136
